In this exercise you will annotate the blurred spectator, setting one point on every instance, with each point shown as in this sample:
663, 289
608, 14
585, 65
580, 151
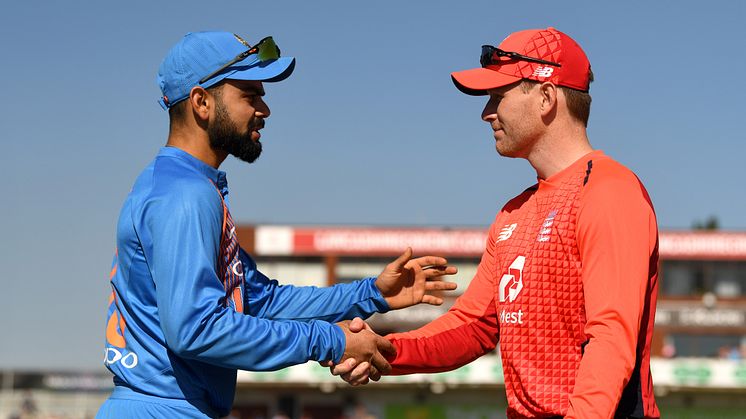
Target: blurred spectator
669, 349
730, 352
356, 410
28, 409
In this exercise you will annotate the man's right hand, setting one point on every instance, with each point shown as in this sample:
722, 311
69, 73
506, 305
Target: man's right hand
353, 371
365, 350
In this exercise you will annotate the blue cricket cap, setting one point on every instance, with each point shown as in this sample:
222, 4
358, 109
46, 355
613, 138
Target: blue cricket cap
199, 54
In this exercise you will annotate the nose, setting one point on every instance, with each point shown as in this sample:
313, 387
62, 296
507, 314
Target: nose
489, 113
261, 107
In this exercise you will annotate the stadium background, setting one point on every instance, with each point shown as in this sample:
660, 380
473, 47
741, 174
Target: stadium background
368, 132
699, 342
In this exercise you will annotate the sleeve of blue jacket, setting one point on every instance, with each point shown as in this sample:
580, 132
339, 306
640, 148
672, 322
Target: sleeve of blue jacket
179, 227
267, 299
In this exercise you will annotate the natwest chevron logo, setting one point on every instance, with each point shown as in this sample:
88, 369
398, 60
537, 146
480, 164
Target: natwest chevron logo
511, 283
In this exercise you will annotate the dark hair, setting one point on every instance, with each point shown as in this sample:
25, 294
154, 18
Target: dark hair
177, 112
578, 101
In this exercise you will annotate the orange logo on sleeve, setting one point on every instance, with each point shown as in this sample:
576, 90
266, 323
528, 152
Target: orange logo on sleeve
115, 325
116, 351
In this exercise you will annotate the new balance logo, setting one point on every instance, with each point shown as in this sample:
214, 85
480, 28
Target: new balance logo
543, 71
506, 232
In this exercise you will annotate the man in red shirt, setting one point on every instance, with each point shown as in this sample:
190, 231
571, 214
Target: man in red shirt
568, 281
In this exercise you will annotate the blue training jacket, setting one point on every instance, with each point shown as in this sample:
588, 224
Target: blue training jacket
188, 307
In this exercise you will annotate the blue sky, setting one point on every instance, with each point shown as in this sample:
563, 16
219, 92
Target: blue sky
368, 130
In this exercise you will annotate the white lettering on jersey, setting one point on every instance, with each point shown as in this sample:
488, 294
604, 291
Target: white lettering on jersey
113, 356
511, 317
237, 268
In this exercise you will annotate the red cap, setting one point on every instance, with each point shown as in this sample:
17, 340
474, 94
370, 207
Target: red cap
545, 44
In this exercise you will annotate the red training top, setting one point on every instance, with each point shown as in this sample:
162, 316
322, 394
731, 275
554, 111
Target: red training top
568, 285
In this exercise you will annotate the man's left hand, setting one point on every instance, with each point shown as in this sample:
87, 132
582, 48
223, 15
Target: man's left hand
406, 281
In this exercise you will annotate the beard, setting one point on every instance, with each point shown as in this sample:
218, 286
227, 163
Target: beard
224, 135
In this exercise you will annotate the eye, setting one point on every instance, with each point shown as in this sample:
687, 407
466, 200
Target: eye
252, 96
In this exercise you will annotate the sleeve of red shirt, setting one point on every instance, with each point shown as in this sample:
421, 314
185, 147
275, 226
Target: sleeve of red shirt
466, 332
617, 234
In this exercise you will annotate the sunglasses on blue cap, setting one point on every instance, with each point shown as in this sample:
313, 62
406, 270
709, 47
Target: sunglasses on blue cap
266, 50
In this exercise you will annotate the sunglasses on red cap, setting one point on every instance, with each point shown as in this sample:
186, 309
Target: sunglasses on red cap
266, 49
491, 55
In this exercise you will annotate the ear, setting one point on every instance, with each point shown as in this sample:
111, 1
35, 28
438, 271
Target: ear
548, 95
201, 102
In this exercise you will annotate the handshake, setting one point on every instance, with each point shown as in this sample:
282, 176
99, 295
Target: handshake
403, 283
366, 354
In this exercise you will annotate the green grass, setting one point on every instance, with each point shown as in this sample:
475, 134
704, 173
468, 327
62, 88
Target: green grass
702, 413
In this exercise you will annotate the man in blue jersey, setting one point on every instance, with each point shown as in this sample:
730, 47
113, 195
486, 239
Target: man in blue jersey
188, 306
